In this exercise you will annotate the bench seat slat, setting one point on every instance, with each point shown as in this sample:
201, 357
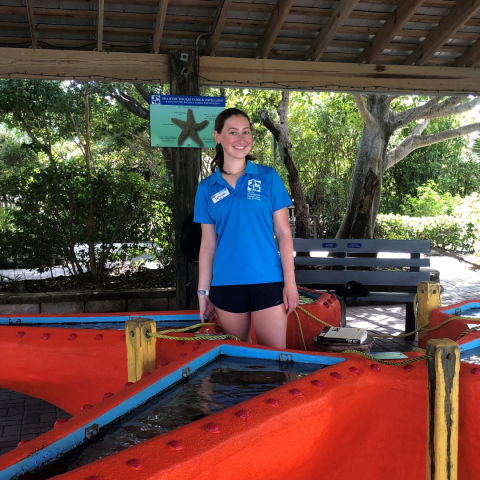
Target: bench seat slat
360, 246
364, 262
328, 277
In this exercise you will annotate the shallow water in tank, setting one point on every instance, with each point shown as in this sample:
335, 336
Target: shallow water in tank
225, 382
109, 325
471, 312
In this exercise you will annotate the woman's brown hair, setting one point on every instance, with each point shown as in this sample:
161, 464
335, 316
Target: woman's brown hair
219, 124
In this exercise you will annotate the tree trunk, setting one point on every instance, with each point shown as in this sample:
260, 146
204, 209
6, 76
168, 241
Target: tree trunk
282, 135
365, 191
186, 177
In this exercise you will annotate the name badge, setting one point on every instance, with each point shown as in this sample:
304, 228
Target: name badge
219, 195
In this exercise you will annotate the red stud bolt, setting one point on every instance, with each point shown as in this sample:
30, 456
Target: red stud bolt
72, 336
409, 368
122, 338
93, 477
296, 391
163, 364
20, 334
22, 442
355, 370
135, 464
99, 337
59, 422
329, 300
272, 401
475, 371
195, 348
243, 414
212, 427
175, 444
317, 383
326, 305
218, 330
333, 296
86, 407
182, 355
127, 384
107, 395
145, 374
180, 343
197, 344
45, 336
375, 367
336, 375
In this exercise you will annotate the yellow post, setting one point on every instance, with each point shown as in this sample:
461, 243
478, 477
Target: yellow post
442, 409
428, 297
140, 347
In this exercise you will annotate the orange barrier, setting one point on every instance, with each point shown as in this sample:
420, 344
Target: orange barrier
452, 329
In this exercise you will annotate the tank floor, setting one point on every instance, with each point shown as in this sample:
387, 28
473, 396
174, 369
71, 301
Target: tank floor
23, 417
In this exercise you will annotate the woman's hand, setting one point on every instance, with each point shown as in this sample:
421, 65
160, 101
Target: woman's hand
206, 308
290, 298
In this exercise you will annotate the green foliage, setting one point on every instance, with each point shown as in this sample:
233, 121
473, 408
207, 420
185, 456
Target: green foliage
61, 206
450, 222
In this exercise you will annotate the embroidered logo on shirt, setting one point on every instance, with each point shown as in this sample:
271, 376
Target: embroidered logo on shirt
219, 195
253, 189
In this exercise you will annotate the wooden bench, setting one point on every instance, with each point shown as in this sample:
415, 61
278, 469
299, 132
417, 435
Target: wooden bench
379, 274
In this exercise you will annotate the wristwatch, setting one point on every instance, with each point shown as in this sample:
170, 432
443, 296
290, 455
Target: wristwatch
203, 292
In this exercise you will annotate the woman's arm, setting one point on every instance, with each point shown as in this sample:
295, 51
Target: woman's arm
281, 227
207, 254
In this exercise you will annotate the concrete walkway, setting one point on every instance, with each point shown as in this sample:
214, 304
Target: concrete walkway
23, 417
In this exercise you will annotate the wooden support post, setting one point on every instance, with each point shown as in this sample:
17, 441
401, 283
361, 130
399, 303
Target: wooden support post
428, 296
186, 177
442, 409
140, 347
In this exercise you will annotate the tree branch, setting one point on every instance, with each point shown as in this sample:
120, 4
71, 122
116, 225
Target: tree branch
420, 127
412, 142
143, 92
362, 108
441, 107
401, 119
131, 104
457, 109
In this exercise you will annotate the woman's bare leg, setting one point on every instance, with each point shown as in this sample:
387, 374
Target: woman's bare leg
271, 326
237, 324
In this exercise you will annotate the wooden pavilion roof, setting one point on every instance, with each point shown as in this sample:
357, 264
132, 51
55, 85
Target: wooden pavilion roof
417, 40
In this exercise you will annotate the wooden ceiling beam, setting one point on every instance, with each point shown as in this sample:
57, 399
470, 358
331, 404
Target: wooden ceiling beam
391, 28
225, 71
214, 37
31, 23
341, 12
470, 58
457, 17
274, 25
159, 24
101, 10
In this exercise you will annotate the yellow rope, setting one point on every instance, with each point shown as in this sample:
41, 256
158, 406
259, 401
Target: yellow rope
384, 362
300, 328
196, 337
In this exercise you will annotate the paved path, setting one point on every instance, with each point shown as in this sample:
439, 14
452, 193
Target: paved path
23, 417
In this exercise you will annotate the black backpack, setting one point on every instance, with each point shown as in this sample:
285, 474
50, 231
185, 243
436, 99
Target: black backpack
352, 290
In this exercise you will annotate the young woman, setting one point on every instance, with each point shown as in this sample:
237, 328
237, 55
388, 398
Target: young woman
240, 206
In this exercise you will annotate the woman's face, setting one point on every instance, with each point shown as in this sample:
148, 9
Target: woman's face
235, 138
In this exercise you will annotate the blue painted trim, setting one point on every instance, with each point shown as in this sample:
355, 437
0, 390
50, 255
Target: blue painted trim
462, 308
77, 437
246, 352
469, 349
11, 320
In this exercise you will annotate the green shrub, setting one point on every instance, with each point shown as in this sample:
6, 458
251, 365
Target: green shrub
446, 231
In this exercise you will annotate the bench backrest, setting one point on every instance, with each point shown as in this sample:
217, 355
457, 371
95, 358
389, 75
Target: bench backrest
341, 263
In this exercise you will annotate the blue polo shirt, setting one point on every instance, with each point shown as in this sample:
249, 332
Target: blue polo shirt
243, 217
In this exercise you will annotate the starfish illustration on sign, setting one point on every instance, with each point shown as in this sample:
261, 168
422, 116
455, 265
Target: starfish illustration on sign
189, 128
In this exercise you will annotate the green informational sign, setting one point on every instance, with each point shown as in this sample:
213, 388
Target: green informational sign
183, 121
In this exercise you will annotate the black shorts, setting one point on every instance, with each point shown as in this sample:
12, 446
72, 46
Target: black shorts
247, 298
